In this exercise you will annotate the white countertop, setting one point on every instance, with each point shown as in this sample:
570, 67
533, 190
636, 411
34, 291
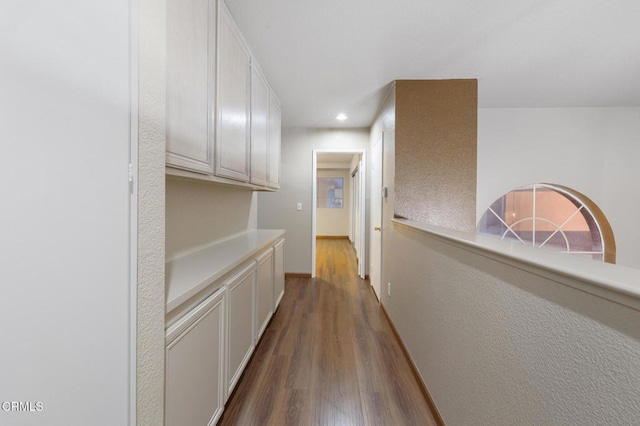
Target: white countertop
187, 275
617, 283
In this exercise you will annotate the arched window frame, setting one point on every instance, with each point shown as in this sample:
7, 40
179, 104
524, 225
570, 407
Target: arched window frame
581, 202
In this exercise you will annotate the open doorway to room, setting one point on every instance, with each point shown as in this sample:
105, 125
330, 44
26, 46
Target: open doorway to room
338, 211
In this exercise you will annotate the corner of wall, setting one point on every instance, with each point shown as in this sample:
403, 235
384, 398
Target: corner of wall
151, 230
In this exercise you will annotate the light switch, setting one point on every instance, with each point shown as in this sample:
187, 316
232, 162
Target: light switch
299, 206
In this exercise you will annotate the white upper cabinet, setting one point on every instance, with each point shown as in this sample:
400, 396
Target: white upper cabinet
275, 129
190, 84
232, 108
223, 119
260, 98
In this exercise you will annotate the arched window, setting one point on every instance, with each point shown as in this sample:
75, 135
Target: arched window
553, 216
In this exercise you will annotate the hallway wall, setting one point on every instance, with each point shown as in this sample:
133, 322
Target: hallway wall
278, 210
502, 342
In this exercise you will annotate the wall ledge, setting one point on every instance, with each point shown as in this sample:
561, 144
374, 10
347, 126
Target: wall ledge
619, 284
190, 274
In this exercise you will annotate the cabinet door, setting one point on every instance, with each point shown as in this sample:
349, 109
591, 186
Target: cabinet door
259, 126
240, 341
278, 273
264, 291
232, 127
194, 365
190, 71
275, 124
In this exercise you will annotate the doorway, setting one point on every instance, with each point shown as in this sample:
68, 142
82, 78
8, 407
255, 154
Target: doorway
342, 187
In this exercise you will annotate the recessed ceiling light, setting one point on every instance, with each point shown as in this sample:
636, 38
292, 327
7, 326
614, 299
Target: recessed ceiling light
341, 117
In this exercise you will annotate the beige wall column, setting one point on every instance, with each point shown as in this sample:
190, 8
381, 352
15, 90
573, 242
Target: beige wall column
435, 166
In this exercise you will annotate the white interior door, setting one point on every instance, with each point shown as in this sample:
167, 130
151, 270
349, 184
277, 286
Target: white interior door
375, 254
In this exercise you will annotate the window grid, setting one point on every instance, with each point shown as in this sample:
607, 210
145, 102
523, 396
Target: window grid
581, 208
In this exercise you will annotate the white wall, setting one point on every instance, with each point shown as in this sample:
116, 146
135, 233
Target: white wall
498, 343
65, 305
278, 210
198, 213
592, 150
335, 222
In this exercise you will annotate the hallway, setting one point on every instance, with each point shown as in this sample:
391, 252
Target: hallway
328, 357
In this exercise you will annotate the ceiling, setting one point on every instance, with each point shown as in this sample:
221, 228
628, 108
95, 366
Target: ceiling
323, 57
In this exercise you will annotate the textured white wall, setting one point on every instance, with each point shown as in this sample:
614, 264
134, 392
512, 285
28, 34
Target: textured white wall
198, 213
278, 210
592, 150
497, 345
335, 222
151, 196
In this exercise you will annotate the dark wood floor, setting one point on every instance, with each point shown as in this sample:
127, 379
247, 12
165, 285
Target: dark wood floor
328, 357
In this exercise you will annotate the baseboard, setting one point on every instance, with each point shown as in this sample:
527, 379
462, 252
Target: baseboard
296, 275
376, 296
423, 387
332, 237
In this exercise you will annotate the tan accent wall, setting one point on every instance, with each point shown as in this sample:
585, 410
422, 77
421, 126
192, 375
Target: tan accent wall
436, 152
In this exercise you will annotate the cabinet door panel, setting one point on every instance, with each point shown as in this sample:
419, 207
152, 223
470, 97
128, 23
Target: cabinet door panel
275, 125
278, 273
264, 291
259, 127
190, 37
232, 128
240, 296
194, 365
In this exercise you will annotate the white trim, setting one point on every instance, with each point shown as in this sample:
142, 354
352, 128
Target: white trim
314, 202
133, 212
314, 196
363, 216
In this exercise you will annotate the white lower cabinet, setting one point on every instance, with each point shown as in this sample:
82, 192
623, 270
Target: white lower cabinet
209, 345
240, 314
278, 273
194, 365
264, 291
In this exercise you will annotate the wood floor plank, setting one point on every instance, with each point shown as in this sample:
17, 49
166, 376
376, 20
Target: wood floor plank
328, 357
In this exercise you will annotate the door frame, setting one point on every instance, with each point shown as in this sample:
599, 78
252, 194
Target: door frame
133, 212
376, 201
314, 198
